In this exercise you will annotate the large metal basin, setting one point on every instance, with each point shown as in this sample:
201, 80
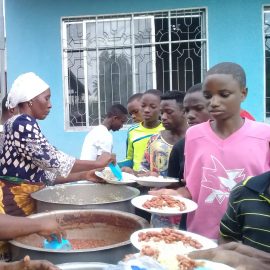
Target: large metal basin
85, 196
114, 227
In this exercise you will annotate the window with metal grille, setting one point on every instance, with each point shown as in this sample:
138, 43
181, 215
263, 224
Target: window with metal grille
108, 58
267, 59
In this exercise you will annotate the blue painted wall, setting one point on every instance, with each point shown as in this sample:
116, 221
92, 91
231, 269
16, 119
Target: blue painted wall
235, 34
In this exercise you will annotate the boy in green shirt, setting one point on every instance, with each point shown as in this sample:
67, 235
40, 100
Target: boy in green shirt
139, 134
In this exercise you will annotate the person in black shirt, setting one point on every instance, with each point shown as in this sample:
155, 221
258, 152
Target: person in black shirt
195, 108
247, 216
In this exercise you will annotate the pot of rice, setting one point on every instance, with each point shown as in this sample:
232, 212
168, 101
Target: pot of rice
85, 196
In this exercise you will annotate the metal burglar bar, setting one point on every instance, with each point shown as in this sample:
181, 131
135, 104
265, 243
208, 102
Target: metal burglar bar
2, 53
108, 58
267, 59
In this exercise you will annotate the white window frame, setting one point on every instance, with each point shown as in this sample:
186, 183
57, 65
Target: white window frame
143, 15
265, 9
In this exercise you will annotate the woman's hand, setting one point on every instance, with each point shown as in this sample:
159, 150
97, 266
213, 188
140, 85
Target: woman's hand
245, 250
183, 191
27, 264
232, 258
127, 170
49, 226
148, 173
105, 158
91, 176
163, 191
37, 264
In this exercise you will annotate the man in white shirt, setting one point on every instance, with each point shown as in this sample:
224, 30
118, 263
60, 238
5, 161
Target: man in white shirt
99, 139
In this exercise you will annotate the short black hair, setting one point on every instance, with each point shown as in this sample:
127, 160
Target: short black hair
178, 96
154, 92
229, 68
136, 96
116, 110
195, 88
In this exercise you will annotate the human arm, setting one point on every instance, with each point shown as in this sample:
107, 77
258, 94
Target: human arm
85, 175
12, 227
80, 169
102, 161
27, 264
127, 170
235, 255
246, 250
182, 191
32, 145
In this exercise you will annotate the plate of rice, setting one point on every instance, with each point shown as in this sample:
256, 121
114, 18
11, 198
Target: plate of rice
156, 181
173, 261
170, 247
170, 239
108, 176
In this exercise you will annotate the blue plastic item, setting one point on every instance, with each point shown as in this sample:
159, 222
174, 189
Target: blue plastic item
54, 244
116, 171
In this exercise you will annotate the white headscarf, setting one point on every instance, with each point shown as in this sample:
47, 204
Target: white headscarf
24, 88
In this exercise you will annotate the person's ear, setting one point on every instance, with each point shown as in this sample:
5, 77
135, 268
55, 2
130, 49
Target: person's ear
113, 118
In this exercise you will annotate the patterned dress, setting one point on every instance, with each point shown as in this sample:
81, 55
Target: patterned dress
156, 155
156, 159
27, 162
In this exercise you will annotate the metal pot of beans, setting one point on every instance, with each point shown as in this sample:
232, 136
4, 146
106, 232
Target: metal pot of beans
85, 196
95, 235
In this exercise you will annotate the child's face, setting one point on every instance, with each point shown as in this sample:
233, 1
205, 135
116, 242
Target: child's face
195, 108
150, 107
134, 110
224, 96
172, 115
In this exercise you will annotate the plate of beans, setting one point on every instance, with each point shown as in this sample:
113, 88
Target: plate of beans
165, 205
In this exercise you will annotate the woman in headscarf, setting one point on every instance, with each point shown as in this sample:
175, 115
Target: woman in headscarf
28, 160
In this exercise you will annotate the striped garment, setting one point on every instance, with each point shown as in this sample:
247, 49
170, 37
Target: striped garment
138, 137
247, 218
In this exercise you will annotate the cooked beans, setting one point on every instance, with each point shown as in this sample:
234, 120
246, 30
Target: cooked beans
162, 201
185, 263
168, 236
149, 251
88, 243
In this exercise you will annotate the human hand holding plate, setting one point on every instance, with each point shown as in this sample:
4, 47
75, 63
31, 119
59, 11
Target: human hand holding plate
155, 181
108, 176
236, 255
163, 191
